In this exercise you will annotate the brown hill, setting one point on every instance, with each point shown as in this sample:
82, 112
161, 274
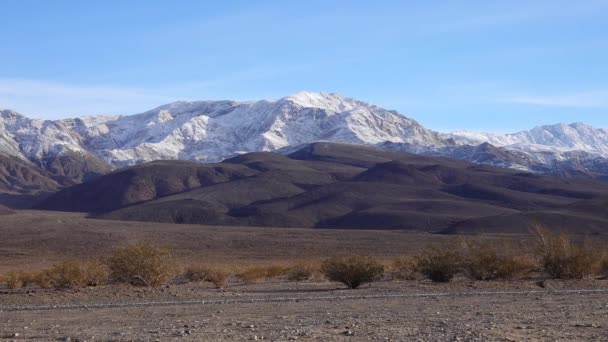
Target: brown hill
329, 185
19, 176
75, 167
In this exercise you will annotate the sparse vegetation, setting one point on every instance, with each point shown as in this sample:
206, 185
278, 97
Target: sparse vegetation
483, 260
560, 258
439, 264
217, 277
353, 270
477, 259
274, 271
141, 264
252, 275
299, 272
73, 275
404, 268
196, 273
17, 279
257, 274
604, 267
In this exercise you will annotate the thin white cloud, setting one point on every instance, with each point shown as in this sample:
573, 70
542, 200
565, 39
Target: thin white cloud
49, 100
591, 99
53, 100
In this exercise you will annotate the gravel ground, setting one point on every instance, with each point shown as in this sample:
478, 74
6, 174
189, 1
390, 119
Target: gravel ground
281, 311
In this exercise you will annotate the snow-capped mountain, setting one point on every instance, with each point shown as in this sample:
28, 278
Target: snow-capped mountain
209, 131
554, 138
214, 130
576, 147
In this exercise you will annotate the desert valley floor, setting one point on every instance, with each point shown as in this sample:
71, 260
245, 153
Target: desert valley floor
275, 310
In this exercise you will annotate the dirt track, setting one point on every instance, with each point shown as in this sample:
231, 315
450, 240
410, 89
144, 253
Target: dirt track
397, 311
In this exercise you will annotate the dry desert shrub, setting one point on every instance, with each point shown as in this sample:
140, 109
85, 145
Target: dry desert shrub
196, 273
275, 271
484, 260
218, 277
257, 274
404, 268
17, 279
300, 272
439, 263
73, 275
141, 265
215, 275
353, 270
560, 258
252, 275
604, 267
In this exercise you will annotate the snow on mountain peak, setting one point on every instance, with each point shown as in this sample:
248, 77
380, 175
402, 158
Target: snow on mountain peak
214, 130
556, 140
334, 101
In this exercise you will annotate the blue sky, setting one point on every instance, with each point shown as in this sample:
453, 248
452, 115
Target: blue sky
479, 65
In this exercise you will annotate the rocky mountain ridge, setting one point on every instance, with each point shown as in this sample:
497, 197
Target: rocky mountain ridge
211, 131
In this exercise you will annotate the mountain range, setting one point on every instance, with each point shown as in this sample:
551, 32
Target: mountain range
337, 185
59, 153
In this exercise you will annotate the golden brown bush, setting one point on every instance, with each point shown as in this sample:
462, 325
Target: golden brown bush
300, 272
141, 265
252, 275
215, 275
196, 273
404, 268
560, 258
274, 271
353, 270
218, 277
17, 279
439, 263
73, 275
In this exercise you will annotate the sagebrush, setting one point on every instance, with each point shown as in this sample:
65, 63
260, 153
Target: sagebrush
439, 263
141, 264
561, 258
404, 268
352, 270
486, 260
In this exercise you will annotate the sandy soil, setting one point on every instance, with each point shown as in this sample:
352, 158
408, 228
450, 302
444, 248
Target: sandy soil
39, 238
277, 310
322, 311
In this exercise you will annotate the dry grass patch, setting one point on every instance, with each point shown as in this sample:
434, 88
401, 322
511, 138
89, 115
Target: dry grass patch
353, 270
252, 275
300, 272
218, 277
17, 279
276, 271
404, 268
141, 265
214, 275
73, 275
484, 260
196, 273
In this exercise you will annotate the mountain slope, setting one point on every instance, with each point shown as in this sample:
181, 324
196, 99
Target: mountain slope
556, 138
565, 150
214, 130
210, 131
331, 185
